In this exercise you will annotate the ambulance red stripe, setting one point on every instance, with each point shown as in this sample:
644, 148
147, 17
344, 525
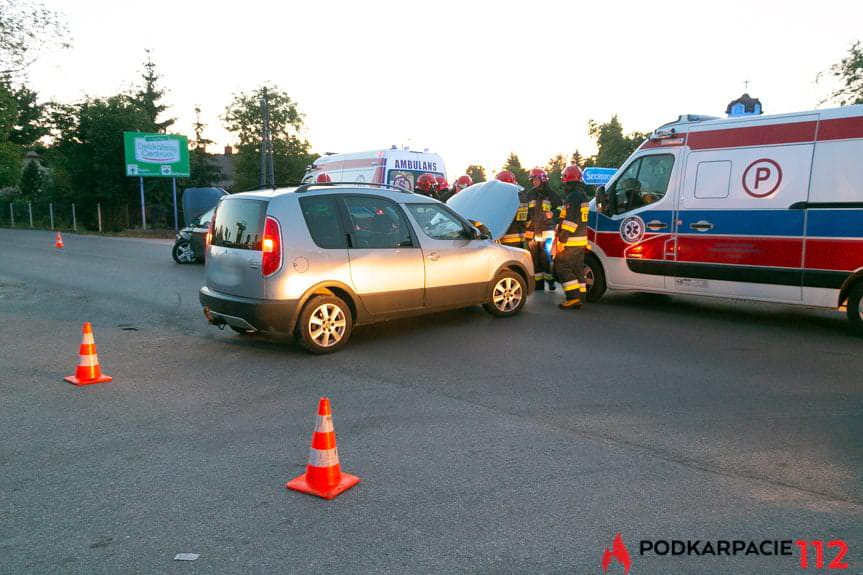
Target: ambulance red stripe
844, 254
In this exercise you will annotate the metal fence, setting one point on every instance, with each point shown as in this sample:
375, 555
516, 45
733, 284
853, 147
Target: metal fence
93, 217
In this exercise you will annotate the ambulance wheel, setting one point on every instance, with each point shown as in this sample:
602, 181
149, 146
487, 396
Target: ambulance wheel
855, 309
508, 294
594, 277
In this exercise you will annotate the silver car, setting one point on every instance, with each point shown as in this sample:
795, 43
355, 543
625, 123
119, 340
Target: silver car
317, 260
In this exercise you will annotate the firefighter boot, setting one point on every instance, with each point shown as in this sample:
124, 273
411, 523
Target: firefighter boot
574, 303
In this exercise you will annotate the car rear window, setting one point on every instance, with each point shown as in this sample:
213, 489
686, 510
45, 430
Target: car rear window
240, 224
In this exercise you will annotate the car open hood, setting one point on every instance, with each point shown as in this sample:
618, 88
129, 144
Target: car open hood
494, 203
196, 201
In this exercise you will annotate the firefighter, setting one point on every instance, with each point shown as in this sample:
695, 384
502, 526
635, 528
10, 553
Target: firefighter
426, 185
541, 203
571, 239
443, 191
461, 183
323, 178
514, 236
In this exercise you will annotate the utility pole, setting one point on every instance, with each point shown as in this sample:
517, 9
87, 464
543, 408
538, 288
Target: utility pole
268, 176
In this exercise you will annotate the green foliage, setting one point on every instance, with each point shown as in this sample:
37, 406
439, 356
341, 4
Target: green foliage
554, 168
244, 119
849, 71
26, 28
22, 120
476, 173
613, 147
10, 164
513, 164
33, 181
149, 96
88, 149
204, 172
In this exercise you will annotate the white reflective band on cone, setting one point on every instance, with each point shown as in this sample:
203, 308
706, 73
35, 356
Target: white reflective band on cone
88, 338
88, 361
324, 423
323, 457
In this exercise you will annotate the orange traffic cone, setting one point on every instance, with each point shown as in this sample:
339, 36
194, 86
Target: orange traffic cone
58, 240
88, 367
323, 476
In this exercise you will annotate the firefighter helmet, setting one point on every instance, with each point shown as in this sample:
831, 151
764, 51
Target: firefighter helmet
442, 184
426, 183
462, 182
506, 176
538, 173
571, 173
323, 178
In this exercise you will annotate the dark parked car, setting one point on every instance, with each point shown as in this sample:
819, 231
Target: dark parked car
198, 207
189, 245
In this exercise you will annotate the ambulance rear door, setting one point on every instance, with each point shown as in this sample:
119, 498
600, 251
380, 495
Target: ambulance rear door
735, 232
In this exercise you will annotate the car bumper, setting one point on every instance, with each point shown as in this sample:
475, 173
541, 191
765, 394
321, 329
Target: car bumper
247, 313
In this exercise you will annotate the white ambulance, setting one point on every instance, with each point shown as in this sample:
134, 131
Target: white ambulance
766, 208
394, 166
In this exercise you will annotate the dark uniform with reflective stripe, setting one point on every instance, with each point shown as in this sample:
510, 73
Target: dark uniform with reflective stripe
541, 203
571, 244
514, 236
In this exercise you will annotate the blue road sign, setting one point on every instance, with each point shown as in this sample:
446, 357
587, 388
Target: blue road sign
597, 176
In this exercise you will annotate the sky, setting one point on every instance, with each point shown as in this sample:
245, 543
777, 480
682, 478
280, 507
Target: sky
472, 80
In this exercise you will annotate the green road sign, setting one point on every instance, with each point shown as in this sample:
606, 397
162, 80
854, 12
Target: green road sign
156, 155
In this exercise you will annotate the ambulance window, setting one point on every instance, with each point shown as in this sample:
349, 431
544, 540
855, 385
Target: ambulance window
713, 180
644, 182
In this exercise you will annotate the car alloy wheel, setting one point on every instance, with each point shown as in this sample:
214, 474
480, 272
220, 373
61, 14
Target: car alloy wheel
507, 294
183, 253
327, 325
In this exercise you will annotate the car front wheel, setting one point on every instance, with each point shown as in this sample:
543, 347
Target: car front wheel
325, 324
183, 252
508, 294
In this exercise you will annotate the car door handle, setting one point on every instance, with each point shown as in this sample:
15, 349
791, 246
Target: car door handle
701, 226
656, 225
434, 256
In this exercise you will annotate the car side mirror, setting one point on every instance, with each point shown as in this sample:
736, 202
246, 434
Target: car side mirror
601, 199
481, 232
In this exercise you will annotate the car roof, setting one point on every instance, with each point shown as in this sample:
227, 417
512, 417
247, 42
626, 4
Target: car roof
396, 195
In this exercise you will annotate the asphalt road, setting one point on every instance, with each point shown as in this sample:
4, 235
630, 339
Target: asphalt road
485, 446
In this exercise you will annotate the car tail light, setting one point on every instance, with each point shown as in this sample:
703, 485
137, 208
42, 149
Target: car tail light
210, 226
271, 247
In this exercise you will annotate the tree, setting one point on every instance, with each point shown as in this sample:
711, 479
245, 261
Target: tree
27, 28
554, 169
291, 154
476, 173
22, 117
87, 153
613, 148
204, 172
513, 164
32, 181
149, 97
849, 71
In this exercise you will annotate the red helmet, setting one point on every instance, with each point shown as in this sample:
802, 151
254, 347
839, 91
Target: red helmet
323, 178
442, 184
506, 176
538, 173
426, 183
571, 173
463, 181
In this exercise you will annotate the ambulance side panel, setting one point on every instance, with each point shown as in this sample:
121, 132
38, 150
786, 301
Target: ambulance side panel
834, 222
736, 234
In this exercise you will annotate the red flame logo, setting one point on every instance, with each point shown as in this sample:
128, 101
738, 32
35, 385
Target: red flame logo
619, 554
